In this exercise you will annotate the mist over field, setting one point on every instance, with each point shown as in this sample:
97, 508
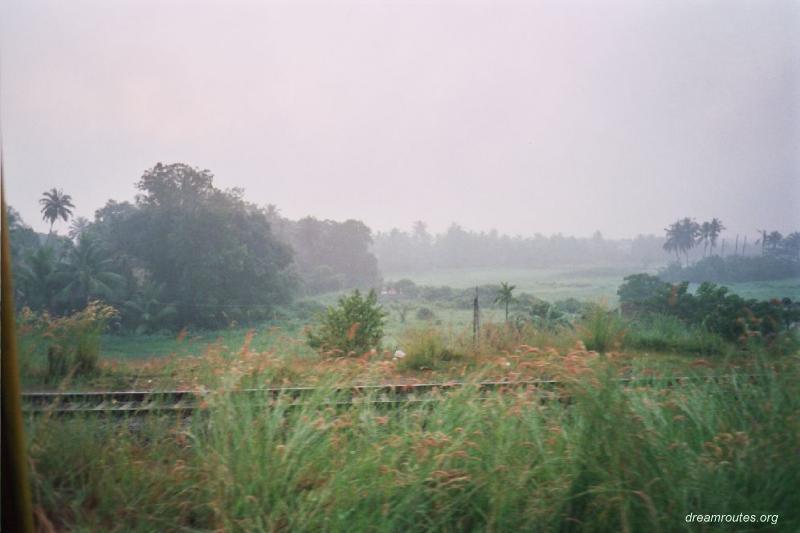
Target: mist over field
541, 117
401, 266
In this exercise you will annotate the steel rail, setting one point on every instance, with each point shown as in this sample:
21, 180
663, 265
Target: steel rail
182, 401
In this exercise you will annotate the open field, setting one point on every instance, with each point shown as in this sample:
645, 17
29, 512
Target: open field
595, 284
601, 456
548, 284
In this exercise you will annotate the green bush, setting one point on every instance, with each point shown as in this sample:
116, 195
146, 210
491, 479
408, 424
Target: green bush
353, 327
427, 349
72, 342
602, 330
665, 333
424, 313
730, 316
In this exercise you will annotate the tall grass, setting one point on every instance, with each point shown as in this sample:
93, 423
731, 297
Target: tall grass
664, 333
613, 458
602, 330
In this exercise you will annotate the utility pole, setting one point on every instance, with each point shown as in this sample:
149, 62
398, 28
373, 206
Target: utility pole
476, 319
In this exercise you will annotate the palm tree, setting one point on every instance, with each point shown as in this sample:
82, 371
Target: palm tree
78, 227
151, 314
681, 237
762, 240
505, 296
705, 235
55, 205
671, 244
716, 229
86, 274
38, 283
791, 245
773, 240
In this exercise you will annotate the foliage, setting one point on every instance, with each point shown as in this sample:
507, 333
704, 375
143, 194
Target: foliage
602, 330
147, 313
505, 296
426, 314
681, 237
734, 268
427, 349
353, 327
329, 255
86, 273
73, 341
212, 252
667, 333
470, 461
712, 307
55, 204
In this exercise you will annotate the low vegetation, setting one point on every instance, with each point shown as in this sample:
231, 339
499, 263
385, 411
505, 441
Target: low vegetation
613, 458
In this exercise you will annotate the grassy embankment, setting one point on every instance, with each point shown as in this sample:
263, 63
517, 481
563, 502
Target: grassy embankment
612, 459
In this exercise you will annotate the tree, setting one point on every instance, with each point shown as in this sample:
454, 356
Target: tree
681, 237
212, 251
705, 235
55, 205
353, 327
78, 227
87, 274
147, 311
505, 296
37, 281
773, 241
714, 232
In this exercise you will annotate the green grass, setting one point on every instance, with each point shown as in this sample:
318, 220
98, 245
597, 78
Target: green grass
765, 290
593, 284
613, 459
547, 284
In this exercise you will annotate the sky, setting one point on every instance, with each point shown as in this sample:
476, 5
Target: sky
538, 117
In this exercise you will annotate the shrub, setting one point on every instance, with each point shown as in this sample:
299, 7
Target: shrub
602, 330
354, 326
73, 341
424, 313
728, 315
665, 333
427, 349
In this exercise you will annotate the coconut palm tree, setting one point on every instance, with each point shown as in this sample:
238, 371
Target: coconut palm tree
715, 231
55, 205
773, 240
87, 274
505, 296
681, 237
37, 281
671, 244
78, 227
151, 315
705, 235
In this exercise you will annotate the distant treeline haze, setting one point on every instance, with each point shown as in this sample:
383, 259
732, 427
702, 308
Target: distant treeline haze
185, 252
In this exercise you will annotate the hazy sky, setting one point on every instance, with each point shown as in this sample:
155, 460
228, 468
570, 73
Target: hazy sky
528, 117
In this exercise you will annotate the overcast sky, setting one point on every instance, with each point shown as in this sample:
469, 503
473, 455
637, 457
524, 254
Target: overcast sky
528, 117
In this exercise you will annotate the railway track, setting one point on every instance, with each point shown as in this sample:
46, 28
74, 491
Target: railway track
185, 402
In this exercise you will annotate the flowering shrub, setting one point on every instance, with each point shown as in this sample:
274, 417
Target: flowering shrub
73, 341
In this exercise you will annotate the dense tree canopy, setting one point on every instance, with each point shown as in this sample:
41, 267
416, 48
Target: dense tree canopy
212, 252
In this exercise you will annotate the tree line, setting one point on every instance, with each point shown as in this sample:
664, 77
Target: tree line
772, 256
183, 253
457, 247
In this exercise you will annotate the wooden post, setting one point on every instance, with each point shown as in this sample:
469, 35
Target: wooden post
476, 320
17, 512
